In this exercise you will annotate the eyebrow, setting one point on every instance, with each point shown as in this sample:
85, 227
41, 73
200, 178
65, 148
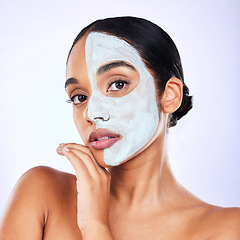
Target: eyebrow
103, 69
71, 81
115, 64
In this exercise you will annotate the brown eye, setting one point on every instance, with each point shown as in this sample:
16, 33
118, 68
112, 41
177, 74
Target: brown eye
117, 85
76, 99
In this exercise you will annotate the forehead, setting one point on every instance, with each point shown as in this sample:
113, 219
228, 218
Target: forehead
101, 48
76, 65
96, 49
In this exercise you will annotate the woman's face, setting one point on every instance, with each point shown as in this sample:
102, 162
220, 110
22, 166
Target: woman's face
114, 100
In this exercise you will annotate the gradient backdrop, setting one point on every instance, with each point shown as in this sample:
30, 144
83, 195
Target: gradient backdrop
35, 38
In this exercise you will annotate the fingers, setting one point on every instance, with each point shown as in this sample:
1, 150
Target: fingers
80, 155
59, 150
79, 158
80, 148
77, 163
74, 146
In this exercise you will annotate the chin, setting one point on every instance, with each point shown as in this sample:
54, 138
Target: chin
102, 163
98, 155
108, 164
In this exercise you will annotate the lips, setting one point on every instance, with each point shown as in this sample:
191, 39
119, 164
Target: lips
102, 139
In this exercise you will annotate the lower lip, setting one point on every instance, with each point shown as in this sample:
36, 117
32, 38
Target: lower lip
102, 144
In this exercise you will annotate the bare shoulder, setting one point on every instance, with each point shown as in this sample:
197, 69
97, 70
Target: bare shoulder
43, 183
46, 178
206, 221
220, 223
226, 222
38, 174
33, 197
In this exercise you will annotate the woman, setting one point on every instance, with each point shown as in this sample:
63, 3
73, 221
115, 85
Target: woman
125, 81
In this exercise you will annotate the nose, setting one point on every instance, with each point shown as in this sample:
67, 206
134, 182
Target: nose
97, 109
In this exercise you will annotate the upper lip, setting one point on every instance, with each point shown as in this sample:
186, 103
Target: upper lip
94, 136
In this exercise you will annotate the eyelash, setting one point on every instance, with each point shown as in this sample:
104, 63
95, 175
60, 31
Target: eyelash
118, 81
71, 99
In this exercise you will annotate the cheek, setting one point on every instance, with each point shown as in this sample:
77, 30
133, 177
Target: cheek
122, 113
129, 108
80, 123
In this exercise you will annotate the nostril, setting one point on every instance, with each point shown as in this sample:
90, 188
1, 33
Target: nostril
96, 118
102, 118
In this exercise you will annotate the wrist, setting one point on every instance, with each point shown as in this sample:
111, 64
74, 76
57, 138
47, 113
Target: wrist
96, 230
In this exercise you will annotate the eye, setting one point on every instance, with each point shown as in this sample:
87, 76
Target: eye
117, 85
77, 99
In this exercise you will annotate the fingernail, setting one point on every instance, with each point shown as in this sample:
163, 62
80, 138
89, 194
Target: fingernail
66, 149
62, 144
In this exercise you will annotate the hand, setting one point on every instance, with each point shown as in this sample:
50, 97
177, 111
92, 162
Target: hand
93, 187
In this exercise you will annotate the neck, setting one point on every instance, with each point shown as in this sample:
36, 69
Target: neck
145, 179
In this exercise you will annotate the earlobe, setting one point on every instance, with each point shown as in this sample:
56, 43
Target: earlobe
172, 96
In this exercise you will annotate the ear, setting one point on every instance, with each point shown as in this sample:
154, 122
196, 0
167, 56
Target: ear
172, 96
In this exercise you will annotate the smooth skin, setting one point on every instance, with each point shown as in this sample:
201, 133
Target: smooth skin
139, 199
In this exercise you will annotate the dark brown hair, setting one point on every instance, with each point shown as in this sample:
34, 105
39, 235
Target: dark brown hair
156, 48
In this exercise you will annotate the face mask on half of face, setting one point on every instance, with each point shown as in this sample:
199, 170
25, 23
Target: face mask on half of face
134, 116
